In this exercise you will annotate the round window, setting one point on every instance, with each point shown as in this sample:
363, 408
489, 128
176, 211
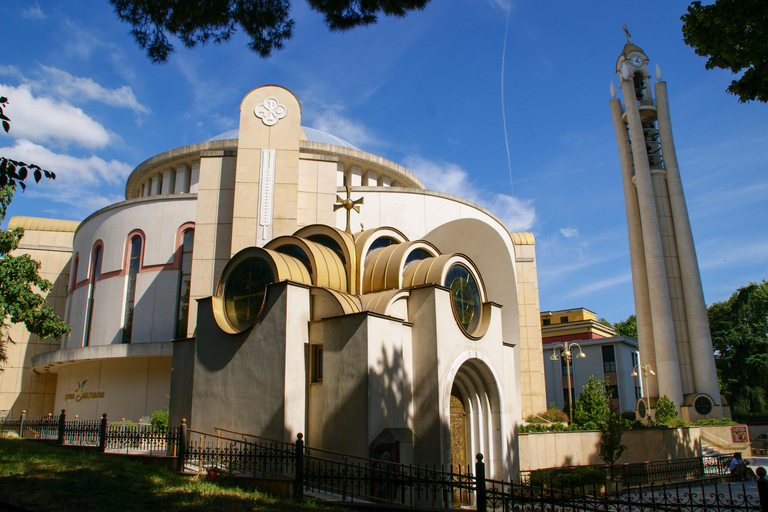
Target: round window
465, 297
641, 409
703, 405
245, 291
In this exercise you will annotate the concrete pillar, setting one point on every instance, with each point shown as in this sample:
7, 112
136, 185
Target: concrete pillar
702, 359
169, 181
384, 181
355, 176
183, 173
636, 249
668, 370
213, 227
157, 184
194, 177
340, 176
370, 179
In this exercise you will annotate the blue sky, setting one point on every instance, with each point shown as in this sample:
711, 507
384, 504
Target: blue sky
425, 92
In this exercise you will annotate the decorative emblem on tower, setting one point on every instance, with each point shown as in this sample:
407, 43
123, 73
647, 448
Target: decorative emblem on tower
271, 111
348, 204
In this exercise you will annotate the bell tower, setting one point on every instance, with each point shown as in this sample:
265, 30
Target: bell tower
672, 324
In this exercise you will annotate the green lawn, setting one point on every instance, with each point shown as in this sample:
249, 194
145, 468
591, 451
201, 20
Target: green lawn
44, 477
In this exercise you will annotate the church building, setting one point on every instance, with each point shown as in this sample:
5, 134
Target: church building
277, 280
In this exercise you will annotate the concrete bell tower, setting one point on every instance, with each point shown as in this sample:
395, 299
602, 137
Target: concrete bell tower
672, 324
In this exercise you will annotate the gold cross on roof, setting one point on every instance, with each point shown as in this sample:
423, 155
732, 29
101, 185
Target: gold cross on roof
348, 204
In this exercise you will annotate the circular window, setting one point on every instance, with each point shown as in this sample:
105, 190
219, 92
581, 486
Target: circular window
641, 409
245, 290
465, 297
703, 405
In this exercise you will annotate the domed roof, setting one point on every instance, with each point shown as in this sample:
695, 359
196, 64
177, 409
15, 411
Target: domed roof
312, 134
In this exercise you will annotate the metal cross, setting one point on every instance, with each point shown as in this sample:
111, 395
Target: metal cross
348, 204
626, 31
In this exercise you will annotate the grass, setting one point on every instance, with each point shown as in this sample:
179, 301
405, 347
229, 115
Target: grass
46, 477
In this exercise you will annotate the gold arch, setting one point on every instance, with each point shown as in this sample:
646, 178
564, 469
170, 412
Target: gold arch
346, 243
327, 269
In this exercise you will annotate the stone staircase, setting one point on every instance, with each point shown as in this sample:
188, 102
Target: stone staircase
708, 451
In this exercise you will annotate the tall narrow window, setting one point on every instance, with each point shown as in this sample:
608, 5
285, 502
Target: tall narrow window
182, 315
73, 275
609, 359
95, 273
130, 294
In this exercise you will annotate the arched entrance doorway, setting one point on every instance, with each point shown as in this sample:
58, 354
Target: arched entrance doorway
476, 418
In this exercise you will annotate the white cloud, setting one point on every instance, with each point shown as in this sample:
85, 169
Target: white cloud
33, 12
76, 88
331, 119
43, 119
77, 179
597, 286
569, 232
517, 214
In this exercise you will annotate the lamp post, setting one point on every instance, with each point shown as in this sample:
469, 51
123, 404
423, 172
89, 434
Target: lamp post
568, 357
647, 370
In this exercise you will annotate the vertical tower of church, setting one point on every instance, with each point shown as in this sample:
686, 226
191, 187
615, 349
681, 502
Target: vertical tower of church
672, 323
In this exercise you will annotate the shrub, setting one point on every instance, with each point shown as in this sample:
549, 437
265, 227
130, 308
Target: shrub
541, 427
578, 477
551, 415
666, 412
159, 420
629, 416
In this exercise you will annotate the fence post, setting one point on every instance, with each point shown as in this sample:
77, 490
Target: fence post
298, 484
762, 489
103, 434
480, 483
21, 423
62, 426
182, 449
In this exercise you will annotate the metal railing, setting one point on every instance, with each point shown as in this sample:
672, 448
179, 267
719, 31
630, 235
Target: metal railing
700, 497
323, 472
651, 472
131, 438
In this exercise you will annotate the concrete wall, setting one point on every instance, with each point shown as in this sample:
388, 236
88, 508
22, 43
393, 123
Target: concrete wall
555, 449
156, 284
251, 382
719, 437
20, 388
131, 388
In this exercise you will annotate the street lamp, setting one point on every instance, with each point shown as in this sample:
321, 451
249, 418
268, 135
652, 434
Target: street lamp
568, 357
647, 370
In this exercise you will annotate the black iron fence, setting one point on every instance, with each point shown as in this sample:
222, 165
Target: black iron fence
643, 473
700, 497
320, 472
94, 433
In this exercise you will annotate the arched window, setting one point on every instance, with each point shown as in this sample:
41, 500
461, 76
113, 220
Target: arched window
73, 276
182, 314
130, 294
95, 273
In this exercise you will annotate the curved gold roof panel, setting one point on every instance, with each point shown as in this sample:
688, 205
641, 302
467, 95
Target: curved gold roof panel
41, 224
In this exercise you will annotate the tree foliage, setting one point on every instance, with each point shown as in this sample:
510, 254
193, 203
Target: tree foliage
627, 327
20, 284
739, 329
267, 22
666, 412
592, 405
13, 171
733, 34
611, 433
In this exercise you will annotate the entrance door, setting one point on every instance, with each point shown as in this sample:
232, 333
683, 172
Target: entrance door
459, 448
